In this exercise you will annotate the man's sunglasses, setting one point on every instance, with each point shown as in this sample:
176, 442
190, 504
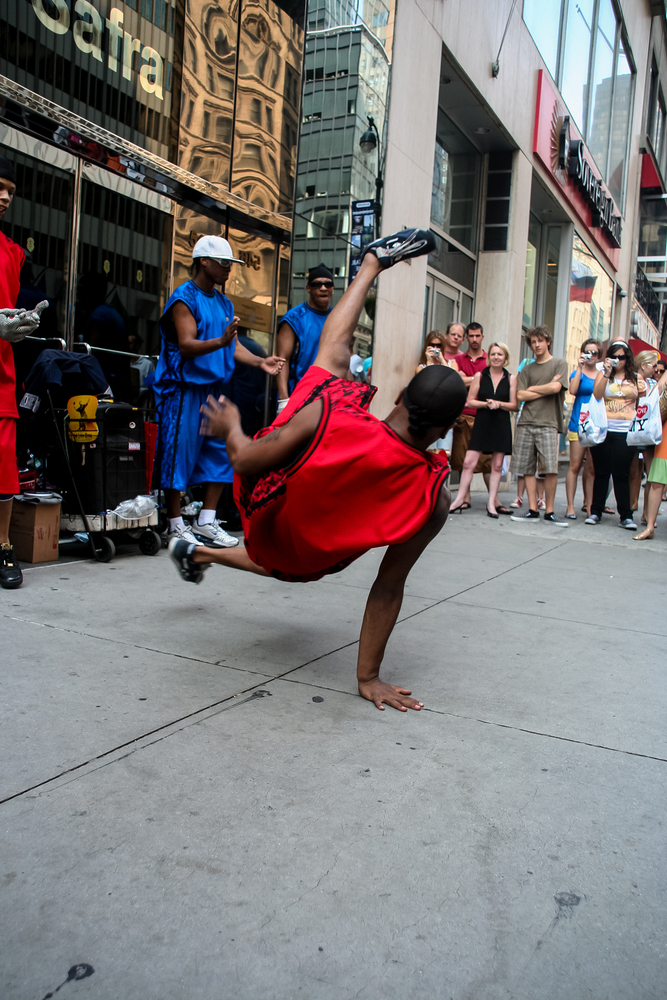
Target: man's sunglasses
322, 284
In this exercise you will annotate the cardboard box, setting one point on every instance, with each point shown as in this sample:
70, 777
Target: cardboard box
33, 531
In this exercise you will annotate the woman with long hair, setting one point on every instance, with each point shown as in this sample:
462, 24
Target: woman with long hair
645, 363
492, 394
620, 388
657, 475
582, 381
442, 348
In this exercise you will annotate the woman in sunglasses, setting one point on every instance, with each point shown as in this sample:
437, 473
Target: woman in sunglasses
582, 381
645, 363
620, 388
441, 348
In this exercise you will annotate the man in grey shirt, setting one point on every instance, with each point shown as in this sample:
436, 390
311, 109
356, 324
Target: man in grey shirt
540, 387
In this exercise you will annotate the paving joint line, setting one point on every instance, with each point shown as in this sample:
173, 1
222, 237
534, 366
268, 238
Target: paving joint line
488, 722
554, 618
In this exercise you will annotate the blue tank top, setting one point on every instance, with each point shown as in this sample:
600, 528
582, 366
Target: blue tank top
584, 393
213, 313
307, 324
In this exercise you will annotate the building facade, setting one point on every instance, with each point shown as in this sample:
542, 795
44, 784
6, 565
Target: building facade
346, 80
138, 126
526, 161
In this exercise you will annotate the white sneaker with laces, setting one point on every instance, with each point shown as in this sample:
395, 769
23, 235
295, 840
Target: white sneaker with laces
183, 531
214, 536
517, 502
541, 505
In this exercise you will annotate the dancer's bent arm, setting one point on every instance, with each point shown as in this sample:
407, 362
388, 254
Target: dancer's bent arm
249, 456
382, 608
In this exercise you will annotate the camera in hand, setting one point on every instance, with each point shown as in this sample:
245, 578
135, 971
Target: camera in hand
613, 362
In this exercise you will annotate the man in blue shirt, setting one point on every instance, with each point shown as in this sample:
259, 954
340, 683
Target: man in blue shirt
300, 331
199, 350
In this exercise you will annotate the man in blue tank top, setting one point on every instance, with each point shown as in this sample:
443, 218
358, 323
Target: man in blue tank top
300, 331
199, 351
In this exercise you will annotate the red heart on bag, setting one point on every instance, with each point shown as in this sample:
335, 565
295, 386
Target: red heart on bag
583, 416
642, 411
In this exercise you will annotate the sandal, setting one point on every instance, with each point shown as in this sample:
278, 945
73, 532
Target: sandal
571, 517
644, 537
608, 510
503, 510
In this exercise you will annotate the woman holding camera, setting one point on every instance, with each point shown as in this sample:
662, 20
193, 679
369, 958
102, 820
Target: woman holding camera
645, 363
492, 394
657, 474
441, 348
620, 388
582, 381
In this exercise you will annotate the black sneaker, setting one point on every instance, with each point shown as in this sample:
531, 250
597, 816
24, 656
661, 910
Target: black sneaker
11, 575
401, 246
530, 515
181, 552
553, 519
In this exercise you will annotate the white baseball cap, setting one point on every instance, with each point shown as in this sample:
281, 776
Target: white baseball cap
216, 247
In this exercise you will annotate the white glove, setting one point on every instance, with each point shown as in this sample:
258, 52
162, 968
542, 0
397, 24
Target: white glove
15, 324
282, 403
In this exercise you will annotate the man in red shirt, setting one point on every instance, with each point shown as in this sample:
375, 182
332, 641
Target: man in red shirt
470, 363
15, 324
328, 481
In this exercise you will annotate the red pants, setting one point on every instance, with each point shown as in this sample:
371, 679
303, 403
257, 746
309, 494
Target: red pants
9, 473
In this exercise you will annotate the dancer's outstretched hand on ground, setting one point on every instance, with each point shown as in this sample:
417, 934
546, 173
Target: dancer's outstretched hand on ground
381, 693
220, 416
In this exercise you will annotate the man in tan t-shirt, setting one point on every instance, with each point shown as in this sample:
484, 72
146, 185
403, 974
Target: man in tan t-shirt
540, 387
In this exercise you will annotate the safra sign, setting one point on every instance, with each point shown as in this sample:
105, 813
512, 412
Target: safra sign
88, 31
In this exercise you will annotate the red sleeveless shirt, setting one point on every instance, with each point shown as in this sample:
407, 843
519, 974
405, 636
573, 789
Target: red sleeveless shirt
358, 486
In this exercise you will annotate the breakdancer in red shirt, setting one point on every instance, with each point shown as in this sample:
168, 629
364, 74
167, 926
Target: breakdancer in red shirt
328, 481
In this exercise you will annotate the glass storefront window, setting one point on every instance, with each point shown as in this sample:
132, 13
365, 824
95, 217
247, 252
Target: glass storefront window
542, 18
207, 96
591, 296
115, 71
620, 124
530, 283
250, 285
574, 85
601, 85
455, 183
600, 106
122, 280
267, 103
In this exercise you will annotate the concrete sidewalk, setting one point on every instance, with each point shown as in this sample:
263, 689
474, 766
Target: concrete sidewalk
198, 806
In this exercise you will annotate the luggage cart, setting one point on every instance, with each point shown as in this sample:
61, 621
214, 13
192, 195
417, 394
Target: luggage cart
100, 475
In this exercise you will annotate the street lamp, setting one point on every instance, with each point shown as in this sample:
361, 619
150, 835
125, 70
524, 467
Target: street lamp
368, 142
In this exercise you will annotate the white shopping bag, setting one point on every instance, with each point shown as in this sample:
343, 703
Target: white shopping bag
592, 426
647, 426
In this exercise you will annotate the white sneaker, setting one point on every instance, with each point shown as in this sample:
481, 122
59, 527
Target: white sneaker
182, 531
541, 505
517, 502
214, 536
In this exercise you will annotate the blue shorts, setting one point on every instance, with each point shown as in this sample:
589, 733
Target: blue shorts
184, 457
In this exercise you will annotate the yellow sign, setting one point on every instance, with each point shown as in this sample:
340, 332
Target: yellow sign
82, 411
253, 315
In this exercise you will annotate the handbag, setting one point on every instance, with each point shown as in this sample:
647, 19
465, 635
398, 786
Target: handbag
646, 428
592, 425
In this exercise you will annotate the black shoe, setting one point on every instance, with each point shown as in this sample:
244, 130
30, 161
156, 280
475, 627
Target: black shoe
530, 515
401, 246
490, 513
11, 575
552, 519
181, 552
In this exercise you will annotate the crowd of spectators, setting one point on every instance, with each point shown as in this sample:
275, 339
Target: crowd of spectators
546, 397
